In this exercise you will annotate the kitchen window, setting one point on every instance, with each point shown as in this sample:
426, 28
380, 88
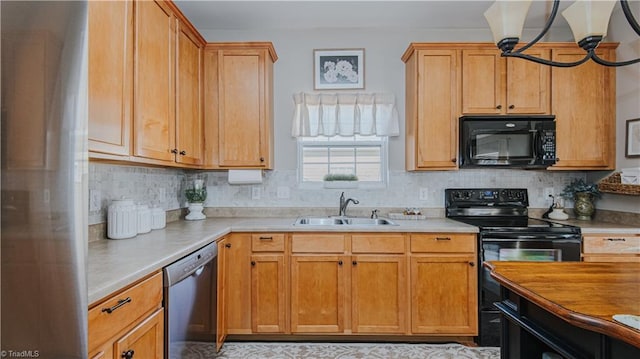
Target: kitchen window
364, 156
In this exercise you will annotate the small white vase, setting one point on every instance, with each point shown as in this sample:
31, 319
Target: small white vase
558, 213
195, 212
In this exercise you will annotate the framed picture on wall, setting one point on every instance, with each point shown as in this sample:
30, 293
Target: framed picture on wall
632, 142
338, 69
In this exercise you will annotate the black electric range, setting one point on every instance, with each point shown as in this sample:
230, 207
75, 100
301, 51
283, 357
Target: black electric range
507, 233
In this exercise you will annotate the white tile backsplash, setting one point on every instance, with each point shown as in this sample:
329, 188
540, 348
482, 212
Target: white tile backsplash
163, 187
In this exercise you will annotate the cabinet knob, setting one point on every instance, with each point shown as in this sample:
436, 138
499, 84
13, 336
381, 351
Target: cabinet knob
471, 264
183, 152
499, 107
454, 160
174, 151
261, 159
511, 107
355, 263
228, 245
128, 354
253, 263
339, 263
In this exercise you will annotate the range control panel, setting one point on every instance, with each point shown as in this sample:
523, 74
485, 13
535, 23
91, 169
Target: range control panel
486, 197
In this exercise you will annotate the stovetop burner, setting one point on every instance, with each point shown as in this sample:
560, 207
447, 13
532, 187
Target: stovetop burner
498, 210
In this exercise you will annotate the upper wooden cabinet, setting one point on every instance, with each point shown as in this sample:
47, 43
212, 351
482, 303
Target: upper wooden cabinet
447, 80
583, 102
145, 84
492, 84
154, 72
110, 76
239, 105
189, 96
432, 103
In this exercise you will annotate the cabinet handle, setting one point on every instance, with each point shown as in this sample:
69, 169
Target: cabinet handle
616, 239
499, 107
120, 303
174, 151
339, 263
261, 159
228, 245
128, 354
253, 263
512, 107
266, 238
443, 238
472, 264
454, 160
355, 263
183, 152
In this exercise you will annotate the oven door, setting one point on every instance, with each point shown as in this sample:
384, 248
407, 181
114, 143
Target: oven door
521, 249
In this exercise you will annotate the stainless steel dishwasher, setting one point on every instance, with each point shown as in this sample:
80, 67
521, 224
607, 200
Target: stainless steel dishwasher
190, 301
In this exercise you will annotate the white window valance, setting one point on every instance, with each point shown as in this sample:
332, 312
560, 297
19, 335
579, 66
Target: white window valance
344, 114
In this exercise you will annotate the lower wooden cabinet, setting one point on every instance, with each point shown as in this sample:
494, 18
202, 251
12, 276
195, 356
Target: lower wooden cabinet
443, 295
317, 293
611, 248
379, 294
145, 340
349, 283
268, 293
130, 323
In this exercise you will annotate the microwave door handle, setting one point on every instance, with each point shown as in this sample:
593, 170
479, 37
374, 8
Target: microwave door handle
537, 148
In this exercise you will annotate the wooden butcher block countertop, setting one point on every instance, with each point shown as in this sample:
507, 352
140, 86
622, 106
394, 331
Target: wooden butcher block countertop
586, 295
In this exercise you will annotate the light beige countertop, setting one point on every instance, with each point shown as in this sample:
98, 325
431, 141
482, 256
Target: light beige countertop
114, 264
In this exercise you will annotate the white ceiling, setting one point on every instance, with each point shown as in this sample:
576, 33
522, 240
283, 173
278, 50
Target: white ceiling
307, 14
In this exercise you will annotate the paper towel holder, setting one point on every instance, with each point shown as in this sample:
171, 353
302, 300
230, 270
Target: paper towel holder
250, 176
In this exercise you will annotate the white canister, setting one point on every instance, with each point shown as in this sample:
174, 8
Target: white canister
122, 219
158, 218
144, 218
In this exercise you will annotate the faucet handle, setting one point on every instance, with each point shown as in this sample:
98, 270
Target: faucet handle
374, 213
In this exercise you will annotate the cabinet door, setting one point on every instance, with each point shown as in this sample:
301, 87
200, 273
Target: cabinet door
379, 294
528, 85
238, 282
154, 101
444, 295
268, 293
110, 76
146, 340
317, 294
482, 77
585, 113
221, 310
189, 129
242, 113
432, 110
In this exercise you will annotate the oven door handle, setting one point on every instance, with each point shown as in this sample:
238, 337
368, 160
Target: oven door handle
566, 238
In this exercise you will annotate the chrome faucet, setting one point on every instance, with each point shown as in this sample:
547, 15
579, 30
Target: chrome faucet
344, 203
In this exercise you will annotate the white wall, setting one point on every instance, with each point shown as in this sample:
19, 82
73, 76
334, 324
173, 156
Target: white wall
627, 103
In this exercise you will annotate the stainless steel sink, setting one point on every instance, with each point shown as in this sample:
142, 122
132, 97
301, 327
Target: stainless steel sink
369, 222
319, 221
343, 221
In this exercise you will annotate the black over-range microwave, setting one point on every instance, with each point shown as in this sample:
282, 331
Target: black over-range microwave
521, 141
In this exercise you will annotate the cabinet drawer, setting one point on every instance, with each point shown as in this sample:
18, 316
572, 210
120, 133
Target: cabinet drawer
611, 244
377, 243
443, 242
317, 243
267, 242
135, 302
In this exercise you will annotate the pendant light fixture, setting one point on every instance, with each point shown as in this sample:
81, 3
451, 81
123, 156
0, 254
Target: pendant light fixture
588, 20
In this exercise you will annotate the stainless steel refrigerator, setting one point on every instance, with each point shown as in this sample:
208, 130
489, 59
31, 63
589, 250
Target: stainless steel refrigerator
44, 179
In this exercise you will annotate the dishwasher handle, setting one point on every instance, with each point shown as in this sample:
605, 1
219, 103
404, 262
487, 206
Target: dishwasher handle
191, 265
